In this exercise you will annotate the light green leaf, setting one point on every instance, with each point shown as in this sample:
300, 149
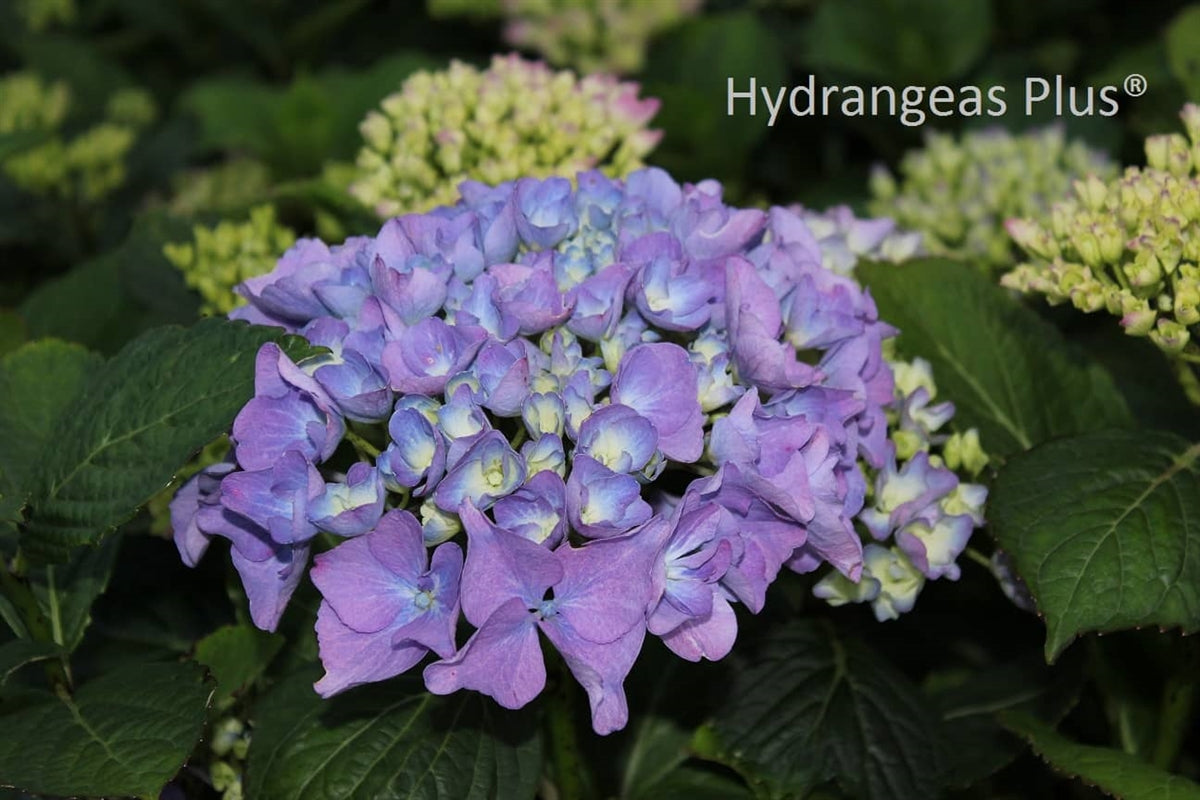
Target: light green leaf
12, 332
813, 706
1183, 49
1009, 373
389, 740
125, 733
236, 655
163, 397
1112, 771
19, 652
1105, 531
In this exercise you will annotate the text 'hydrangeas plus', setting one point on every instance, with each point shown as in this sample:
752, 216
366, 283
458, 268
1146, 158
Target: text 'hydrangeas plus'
587, 413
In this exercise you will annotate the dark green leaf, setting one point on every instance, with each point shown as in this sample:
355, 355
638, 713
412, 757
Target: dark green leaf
389, 740
163, 397
692, 783
1008, 372
968, 708
909, 41
12, 332
88, 305
1112, 771
66, 591
125, 733
813, 707
19, 652
659, 747
37, 384
236, 655
1105, 531
689, 69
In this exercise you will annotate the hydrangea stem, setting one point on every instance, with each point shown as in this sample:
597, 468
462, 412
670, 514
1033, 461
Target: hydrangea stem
1178, 704
16, 589
1187, 378
568, 770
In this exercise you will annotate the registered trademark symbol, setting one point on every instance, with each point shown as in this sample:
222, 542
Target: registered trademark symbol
1135, 84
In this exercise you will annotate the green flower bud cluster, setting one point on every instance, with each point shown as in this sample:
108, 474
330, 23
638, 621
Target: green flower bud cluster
29, 104
221, 257
229, 746
1129, 245
87, 166
39, 15
959, 192
516, 119
587, 35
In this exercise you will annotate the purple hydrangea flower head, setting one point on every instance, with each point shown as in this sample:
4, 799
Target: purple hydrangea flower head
581, 412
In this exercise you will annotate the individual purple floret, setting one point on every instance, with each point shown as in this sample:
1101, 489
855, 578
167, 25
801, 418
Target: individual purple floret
387, 603
617, 408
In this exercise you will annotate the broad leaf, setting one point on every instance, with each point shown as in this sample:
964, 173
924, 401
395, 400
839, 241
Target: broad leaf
1105, 531
1008, 372
125, 733
236, 655
162, 398
37, 384
389, 740
1112, 771
968, 710
19, 652
813, 707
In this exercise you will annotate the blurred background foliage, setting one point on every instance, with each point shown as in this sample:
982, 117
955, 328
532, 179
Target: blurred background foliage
130, 125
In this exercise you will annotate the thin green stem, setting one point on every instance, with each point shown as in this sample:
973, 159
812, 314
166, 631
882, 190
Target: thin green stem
1177, 707
979, 558
1187, 378
363, 447
18, 592
569, 771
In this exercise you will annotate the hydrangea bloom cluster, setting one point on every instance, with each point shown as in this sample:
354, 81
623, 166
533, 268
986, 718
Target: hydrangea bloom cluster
845, 239
959, 192
589, 415
1130, 245
88, 166
516, 119
221, 257
903, 548
918, 515
590, 36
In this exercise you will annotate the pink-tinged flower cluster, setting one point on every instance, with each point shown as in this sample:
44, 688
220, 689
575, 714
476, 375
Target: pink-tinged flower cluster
587, 413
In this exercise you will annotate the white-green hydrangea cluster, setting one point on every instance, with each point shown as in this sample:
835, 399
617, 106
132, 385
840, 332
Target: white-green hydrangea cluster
1129, 245
86, 166
959, 192
221, 257
516, 119
587, 35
